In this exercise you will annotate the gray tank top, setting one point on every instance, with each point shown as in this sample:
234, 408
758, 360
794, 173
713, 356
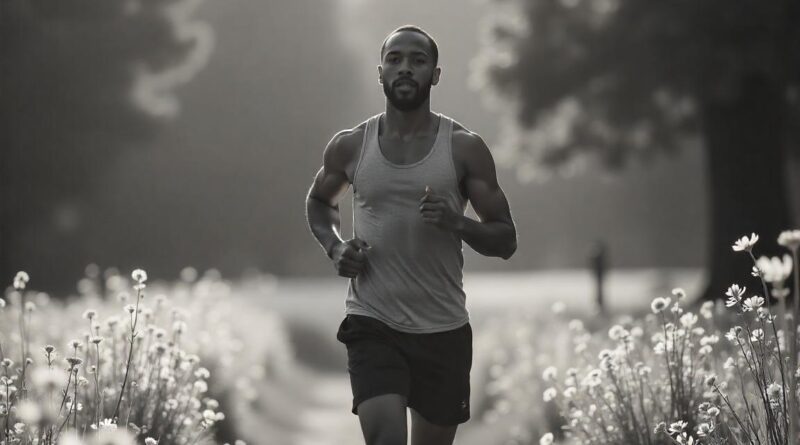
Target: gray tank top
413, 278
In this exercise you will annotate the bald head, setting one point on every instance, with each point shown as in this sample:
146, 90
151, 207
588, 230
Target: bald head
432, 47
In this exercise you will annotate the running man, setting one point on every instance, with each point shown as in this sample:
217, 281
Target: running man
406, 326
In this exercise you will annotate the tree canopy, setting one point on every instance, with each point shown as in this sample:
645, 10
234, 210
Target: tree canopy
615, 80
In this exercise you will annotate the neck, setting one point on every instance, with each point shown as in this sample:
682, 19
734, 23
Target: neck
402, 123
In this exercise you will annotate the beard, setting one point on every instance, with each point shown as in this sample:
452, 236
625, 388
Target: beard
407, 103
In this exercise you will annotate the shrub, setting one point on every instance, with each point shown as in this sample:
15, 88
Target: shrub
671, 378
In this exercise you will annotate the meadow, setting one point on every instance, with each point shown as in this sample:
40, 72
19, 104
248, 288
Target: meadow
205, 361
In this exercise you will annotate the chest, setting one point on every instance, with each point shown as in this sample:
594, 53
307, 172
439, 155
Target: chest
415, 150
405, 152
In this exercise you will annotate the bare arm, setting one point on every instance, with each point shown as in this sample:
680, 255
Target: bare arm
322, 202
495, 233
322, 208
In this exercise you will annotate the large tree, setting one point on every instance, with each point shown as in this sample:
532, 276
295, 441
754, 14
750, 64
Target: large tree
615, 80
80, 82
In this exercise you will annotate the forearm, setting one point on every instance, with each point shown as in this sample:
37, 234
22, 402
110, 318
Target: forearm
493, 238
324, 222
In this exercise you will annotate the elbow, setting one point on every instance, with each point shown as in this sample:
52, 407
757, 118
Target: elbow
509, 252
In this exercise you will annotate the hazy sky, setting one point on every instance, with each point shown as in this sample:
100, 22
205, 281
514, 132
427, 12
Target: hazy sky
226, 182
223, 183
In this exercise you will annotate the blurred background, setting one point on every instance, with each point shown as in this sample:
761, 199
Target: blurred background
183, 133
639, 138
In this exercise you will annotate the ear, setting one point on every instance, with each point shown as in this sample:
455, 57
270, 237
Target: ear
436, 73
380, 74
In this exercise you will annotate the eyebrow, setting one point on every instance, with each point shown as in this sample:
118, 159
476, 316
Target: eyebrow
395, 51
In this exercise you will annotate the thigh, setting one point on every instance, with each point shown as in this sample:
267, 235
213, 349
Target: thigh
426, 433
383, 420
440, 367
374, 361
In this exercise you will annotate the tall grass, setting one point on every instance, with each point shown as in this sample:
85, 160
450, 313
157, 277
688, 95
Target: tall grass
677, 377
139, 375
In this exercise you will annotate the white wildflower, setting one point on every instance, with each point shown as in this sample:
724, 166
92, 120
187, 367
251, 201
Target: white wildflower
547, 439
789, 239
677, 427
775, 270
688, 319
745, 244
757, 335
730, 363
774, 391
139, 275
752, 303
592, 379
21, 280
549, 373
704, 429
105, 424
709, 340
575, 325
617, 332
659, 304
735, 293
706, 310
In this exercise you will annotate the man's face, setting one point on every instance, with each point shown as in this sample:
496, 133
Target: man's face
407, 70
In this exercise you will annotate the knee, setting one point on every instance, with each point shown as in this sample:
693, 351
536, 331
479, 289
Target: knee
386, 439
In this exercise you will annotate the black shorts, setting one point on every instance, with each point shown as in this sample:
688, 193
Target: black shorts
431, 370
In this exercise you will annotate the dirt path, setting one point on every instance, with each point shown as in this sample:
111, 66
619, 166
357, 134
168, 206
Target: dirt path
318, 409
327, 419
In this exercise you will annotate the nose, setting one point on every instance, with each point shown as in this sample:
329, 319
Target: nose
405, 68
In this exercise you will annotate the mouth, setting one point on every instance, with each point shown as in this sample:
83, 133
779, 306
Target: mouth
405, 83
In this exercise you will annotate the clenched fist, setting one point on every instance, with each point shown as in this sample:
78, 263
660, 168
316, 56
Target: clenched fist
349, 258
438, 210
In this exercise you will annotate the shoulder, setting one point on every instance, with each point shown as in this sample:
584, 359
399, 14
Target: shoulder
469, 148
345, 145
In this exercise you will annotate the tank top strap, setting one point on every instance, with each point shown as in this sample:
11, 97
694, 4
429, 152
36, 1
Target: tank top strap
367, 144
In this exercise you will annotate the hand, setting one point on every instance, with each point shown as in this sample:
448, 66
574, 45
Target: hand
439, 211
349, 257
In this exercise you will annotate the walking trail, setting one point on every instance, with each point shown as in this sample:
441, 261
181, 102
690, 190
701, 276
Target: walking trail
322, 415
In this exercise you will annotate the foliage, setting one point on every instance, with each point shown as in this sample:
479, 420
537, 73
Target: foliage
129, 378
618, 79
670, 378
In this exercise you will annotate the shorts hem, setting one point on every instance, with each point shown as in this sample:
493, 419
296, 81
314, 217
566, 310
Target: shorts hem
451, 421
378, 392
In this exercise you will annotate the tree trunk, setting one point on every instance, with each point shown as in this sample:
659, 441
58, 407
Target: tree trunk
746, 152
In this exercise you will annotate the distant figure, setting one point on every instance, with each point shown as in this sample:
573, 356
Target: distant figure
598, 261
406, 326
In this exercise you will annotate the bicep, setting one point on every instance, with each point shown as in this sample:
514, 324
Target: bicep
331, 181
484, 192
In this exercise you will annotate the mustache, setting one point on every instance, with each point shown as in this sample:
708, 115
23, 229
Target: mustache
402, 81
